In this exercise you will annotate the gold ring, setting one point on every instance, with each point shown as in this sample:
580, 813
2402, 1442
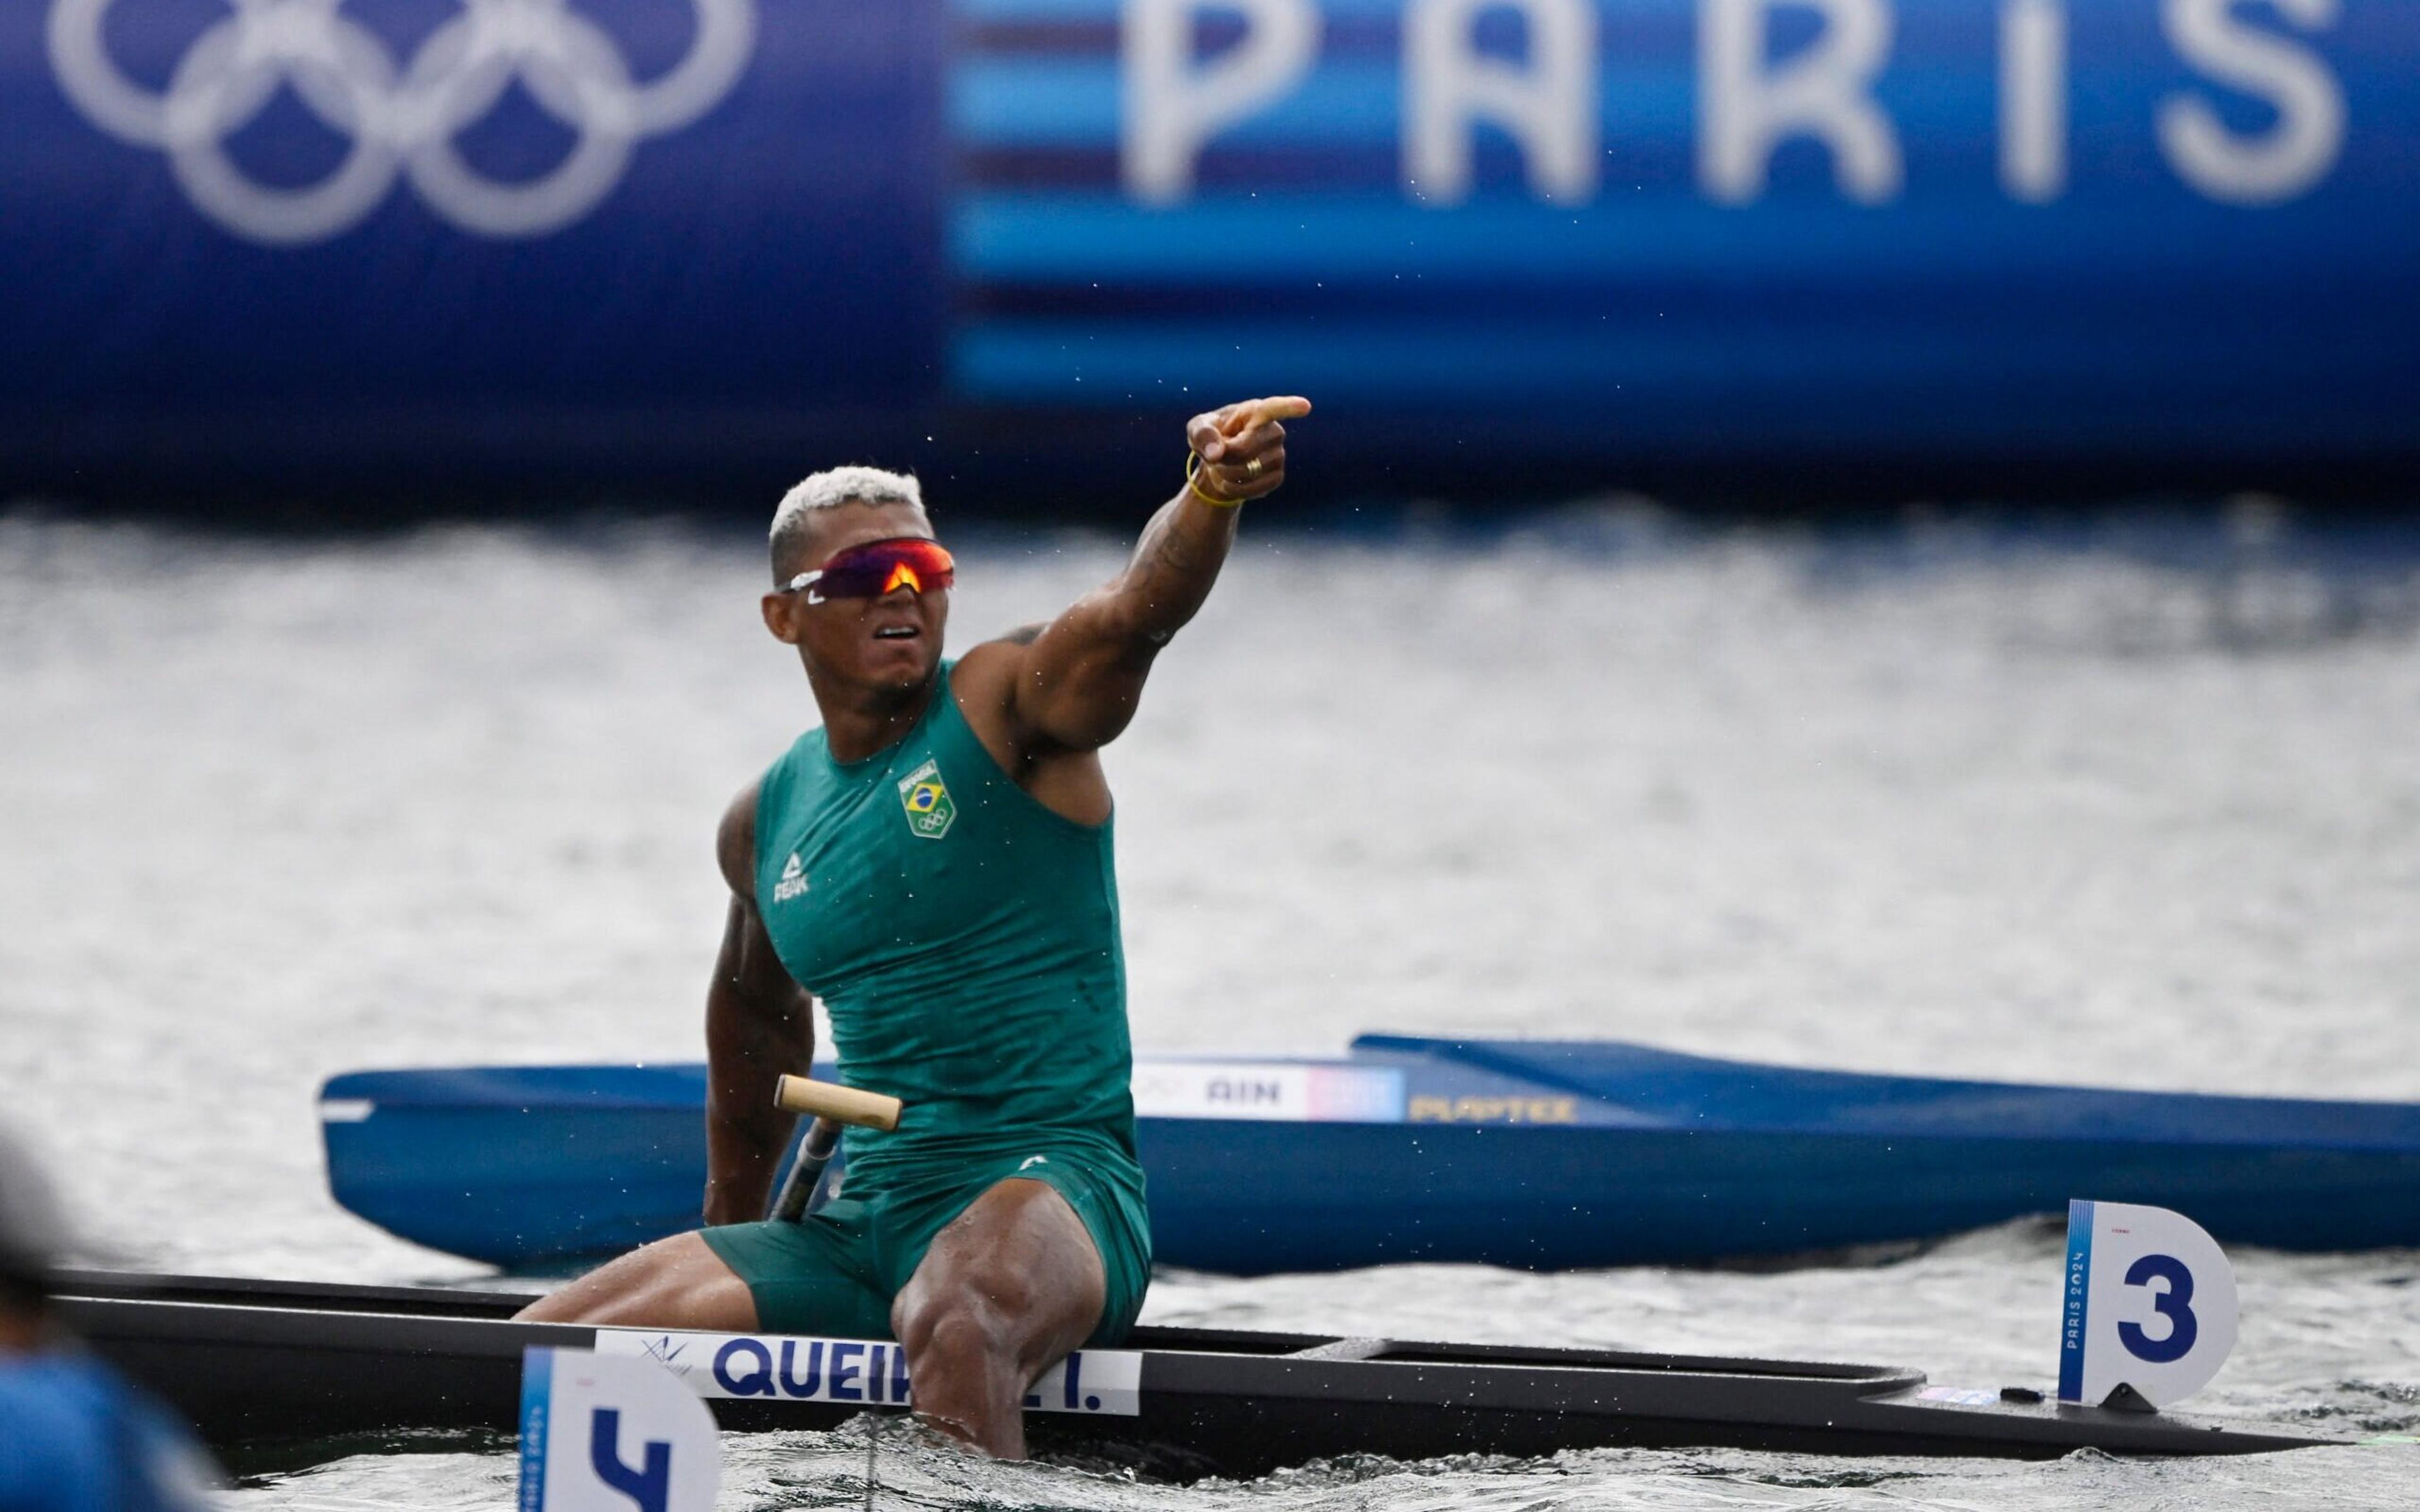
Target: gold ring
1253, 467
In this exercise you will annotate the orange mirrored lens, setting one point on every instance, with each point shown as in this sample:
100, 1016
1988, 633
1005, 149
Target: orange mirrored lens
877, 567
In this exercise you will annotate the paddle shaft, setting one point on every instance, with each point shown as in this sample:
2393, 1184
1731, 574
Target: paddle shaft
807, 1172
832, 1106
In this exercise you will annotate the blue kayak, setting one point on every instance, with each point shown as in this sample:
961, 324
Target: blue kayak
1546, 1155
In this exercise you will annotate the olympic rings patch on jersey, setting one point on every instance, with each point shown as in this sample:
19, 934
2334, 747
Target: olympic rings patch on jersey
925, 797
398, 121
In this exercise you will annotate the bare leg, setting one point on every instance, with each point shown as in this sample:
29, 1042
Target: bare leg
673, 1283
1007, 1290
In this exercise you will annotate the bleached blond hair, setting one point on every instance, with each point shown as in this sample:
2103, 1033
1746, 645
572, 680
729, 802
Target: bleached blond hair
830, 489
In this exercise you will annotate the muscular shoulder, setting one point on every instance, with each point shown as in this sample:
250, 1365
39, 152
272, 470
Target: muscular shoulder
984, 682
998, 660
1067, 783
735, 843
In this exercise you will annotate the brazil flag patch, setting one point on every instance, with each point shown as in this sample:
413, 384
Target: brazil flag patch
930, 811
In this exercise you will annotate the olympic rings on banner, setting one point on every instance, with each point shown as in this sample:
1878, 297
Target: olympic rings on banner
398, 122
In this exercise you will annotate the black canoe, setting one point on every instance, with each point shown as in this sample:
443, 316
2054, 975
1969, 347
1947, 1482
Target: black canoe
328, 1369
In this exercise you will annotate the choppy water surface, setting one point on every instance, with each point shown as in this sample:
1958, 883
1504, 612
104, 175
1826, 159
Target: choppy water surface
2136, 802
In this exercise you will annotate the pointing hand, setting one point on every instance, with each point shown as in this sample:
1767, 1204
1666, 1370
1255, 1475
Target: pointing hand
1242, 446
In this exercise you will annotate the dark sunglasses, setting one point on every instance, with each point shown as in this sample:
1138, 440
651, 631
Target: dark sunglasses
876, 568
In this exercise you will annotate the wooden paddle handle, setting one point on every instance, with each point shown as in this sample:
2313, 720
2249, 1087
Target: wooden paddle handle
842, 1104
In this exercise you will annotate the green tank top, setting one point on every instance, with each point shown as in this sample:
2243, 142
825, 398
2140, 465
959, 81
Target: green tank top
964, 939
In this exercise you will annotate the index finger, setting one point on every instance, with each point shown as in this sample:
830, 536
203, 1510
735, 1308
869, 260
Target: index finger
1260, 411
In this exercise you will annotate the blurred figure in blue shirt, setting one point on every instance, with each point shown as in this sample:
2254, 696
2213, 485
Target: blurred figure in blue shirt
74, 1435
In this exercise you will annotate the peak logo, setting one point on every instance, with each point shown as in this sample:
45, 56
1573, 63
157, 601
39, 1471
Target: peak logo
399, 118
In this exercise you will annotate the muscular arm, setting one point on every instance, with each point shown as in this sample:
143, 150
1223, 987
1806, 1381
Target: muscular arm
1074, 685
759, 1025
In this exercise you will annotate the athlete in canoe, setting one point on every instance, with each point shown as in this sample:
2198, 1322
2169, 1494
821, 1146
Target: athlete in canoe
935, 863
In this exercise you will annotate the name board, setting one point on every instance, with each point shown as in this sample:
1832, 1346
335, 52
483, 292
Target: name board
1275, 1090
860, 1372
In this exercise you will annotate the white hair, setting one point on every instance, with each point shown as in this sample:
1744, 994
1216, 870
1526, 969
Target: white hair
834, 486
830, 489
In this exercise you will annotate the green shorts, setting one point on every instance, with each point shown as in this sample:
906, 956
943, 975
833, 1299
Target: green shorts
837, 1271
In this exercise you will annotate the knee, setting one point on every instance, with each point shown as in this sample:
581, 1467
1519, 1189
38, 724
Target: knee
955, 1325
979, 1313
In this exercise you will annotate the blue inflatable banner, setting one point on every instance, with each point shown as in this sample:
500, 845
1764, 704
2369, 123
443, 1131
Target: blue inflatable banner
541, 236
338, 236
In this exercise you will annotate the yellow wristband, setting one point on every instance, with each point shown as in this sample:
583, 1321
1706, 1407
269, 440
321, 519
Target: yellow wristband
1193, 465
